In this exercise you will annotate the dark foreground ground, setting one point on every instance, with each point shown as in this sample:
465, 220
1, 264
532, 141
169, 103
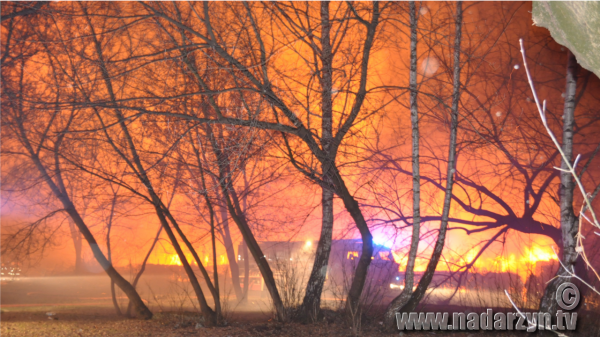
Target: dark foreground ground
97, 321
82, 306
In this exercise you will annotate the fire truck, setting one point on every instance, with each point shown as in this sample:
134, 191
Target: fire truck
293, 260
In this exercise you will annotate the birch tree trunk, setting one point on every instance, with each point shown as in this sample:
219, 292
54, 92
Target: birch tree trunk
568, 220
312, 297
401, 299
419, 292
405, 304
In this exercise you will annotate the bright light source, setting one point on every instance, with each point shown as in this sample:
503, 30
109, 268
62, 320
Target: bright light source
308, 243
382, 242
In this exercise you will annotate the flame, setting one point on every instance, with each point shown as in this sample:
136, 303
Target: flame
500, 264
538, 254
173, 260
522, 264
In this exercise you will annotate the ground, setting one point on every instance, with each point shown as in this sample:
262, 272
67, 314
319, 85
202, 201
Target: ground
102, 321
82, 306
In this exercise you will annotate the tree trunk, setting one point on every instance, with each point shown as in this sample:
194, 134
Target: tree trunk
311, 304
244, 245
225, 232
239, 218
127, 288
246, 270
115, 277
76, 236
404, 303
143, 267
109, 254
568, 220
234, 268
401, 299
418, 294
121, 282
161, 211
312, 298
211, 211
145, 261
211, 317
362, 268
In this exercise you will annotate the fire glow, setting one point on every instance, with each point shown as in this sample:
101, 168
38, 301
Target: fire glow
521, 264
175, 260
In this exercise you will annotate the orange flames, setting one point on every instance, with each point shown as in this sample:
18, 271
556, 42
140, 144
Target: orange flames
522, 265
175, 260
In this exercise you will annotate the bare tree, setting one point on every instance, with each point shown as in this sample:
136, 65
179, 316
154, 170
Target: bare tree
507, 185
572, 238
401, 299
408, 300
256, 79
186, 97
42, 147
124, 147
